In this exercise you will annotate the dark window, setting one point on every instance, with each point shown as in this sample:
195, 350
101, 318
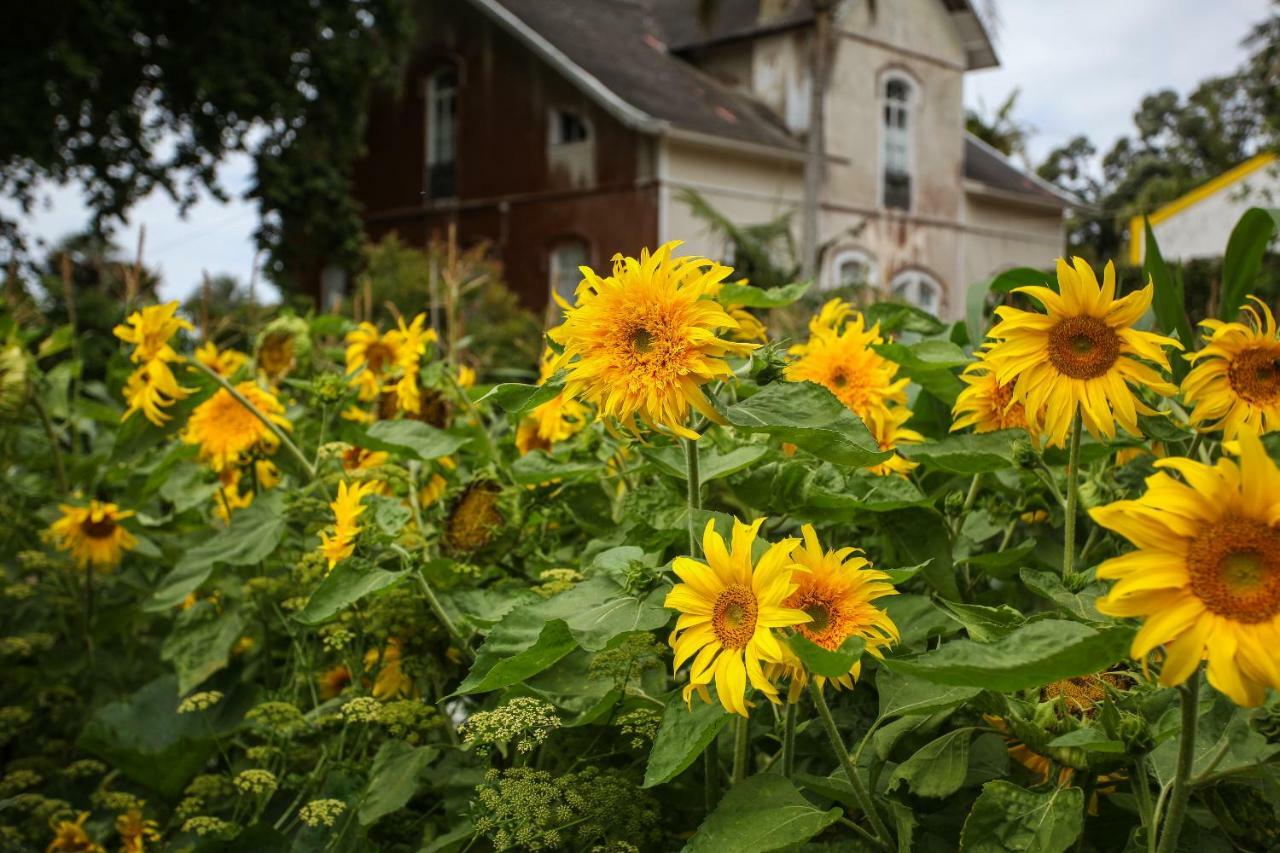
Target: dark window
442, 109
896, 136
567, 127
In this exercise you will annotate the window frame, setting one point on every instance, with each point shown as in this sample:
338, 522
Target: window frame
908, 109
832, 281
918, 276
553, 272
433, 159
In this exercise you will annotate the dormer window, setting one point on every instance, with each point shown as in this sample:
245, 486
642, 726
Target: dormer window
896, 142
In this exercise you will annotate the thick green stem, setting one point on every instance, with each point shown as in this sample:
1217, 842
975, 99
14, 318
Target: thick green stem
741, 748
1180, 794
1073, 497
281, 435
860, 791
789, 739
693, 495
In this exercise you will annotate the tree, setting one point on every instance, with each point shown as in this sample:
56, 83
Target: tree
132, 96
1001, 131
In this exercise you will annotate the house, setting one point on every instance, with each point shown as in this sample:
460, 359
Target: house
1198, 223
564, 131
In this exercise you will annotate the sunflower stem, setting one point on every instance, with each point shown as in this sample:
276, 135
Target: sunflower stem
1142, 792
1180, 794
474, 414
741, 748
855, 781
274, 428
1073, 497
789, 738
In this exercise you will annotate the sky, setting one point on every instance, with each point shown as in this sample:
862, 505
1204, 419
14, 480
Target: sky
1081, 66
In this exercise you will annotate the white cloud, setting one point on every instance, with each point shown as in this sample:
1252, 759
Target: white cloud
1083, 65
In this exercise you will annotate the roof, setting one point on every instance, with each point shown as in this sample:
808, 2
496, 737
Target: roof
1189, 199
614, 50
995, 171
686, 27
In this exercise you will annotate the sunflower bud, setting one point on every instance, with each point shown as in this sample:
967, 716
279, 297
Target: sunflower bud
15, 381
1135, 731
329, 388
283, 347
1266, 722
954, 503
1025, 456
1093, 494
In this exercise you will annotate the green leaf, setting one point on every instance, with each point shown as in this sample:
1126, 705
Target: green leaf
682, 736
347, 583
1032, 656
825, 662
1003, 564
200, 643
1161, 427
516, 399
498, 666
253, 536
924, 355
918, 618
765, 812
188, 486
1088, 739
938, 769
896, 317
1169, 302
393, 779
1243, 258
922, 536
1079, 604
145, 738
810, 417
762, 297
537, 468
970, 453
1008, 818
898, 577
712, 464
421, 440
984, 623
905, 695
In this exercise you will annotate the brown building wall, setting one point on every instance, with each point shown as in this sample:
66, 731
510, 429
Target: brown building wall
507, 192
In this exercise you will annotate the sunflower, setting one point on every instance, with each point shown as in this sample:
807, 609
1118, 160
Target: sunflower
986, 403
887, 428
391, 681
370, 356
1206, 575
225, 362
466, 376
839, 357
414, 338
1081, 356
356, 458
640, 343
728, 609
558, 419
1235, 383
135, 831
836, 591
433, 491
333, 681
151, 388
70, 837
93, 535
347, 509
226, 431
149, 329
749, 328
474, 517
282, 345
229, 497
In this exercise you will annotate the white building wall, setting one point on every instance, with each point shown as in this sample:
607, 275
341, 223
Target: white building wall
1201, 230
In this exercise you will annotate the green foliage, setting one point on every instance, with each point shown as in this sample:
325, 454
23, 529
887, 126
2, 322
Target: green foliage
765, 812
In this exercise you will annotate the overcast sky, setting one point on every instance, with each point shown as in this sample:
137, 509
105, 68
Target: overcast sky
1081, 66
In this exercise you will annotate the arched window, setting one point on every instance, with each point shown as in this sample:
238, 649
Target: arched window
897, 154
566, 257
852, 268
441, 93
918, 288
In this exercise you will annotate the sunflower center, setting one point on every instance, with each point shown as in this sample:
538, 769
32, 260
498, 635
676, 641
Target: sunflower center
1235, 570
839, 379
1083, 347
641, 340
1255, 375
820, 617
829, 627
100, 529
733, 618
378, 356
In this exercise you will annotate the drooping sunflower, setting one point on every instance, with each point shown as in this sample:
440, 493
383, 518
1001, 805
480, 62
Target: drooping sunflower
888, 428
150, 389
729, 607
150, 329
229, 496
392, 682
282, 346
224, 362
986, 403
1235, 383
1205, 577
837, 591
69, 836
135, 831
1081, 356
370, 356
226, 431
474, 518
347, 509
558, 419
356, 458
640, 344
93, 534
839, 357
333, 681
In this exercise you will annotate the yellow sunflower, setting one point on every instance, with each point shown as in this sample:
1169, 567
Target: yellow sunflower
749, 327
229, 497
93, 535
888, 428
150, 389
466, 376
474, 519
836, 591
225, 362
986, 403
370, 356
347, 509
70, 837
414, 338
558, 419
392, 682
728, 609
839, 357
226, 431
150, 329
359, 459
1235, 383
135, 831
1206, 575
1080, 356
282, 345
641, 343
333, 681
